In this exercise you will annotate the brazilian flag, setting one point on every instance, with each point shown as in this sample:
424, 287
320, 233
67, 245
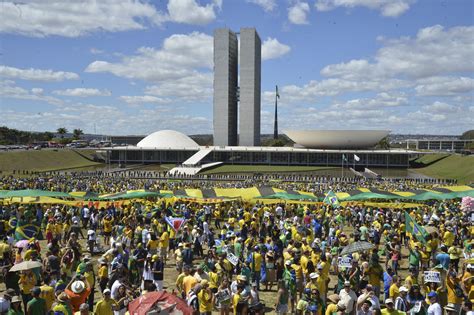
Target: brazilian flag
414, 229
331, 199
25, 231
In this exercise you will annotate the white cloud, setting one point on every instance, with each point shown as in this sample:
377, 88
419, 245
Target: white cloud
190, 12
82, 92
143, 99
181, 56
36, 74
40, 18
297, 14
382, 100
108, 119
272, 49
8, 89
390, 8
433, 51
193, 88
267, 5
181, 68
444, 86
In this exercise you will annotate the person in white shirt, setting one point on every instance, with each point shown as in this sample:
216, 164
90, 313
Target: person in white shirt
348, 298
434, 308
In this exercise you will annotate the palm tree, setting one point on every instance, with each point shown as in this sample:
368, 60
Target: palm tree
77, 133
62, 131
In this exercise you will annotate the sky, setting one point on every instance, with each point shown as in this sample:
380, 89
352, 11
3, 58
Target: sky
132, 67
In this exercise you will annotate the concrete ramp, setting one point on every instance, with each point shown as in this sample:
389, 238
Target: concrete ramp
197, 157
190, 170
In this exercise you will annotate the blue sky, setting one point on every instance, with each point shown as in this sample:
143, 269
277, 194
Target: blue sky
134, 67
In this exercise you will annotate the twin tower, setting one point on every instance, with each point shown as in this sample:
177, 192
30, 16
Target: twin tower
228, 92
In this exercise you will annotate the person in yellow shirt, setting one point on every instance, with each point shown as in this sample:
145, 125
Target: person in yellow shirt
454, 289
107, 224
213, 278
188, 282
153, 244
205, 299
103, 274
256, 266
163, 245
26, 282
448, 237
47, 291
394, 290
107, 305
331, 308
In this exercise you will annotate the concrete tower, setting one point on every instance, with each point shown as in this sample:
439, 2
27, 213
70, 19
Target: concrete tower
225, 87
250, 82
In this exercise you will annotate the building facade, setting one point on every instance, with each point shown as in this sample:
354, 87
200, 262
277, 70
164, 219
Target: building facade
250, 83
225, 87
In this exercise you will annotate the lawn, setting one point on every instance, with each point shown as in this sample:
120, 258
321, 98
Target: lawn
455, 166
45, 160
222, 169
427, 159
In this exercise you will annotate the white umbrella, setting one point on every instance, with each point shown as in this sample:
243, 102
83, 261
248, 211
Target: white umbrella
26, 265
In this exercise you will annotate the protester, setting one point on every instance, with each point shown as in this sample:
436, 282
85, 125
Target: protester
132, 247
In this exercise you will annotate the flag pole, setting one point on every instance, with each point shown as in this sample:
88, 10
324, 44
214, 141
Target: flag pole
342, 167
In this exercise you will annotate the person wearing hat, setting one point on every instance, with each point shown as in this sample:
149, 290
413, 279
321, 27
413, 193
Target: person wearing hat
107, 305
62, 305
401, 302
390, 308
451, 309
348, 298
205, 298
331, 307
78, 290
434, 308
15, 306
103, 274
37, 305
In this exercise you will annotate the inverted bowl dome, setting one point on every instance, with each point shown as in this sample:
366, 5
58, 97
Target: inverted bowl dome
167, 139
337, 139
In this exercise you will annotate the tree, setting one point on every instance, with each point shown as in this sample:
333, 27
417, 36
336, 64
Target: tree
384, 143
77, 133
468, 135
62, 131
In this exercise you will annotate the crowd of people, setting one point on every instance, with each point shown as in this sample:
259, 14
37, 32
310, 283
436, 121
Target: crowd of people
235, 257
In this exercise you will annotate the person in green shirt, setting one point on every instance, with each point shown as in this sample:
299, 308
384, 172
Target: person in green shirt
15, 308
414, 257
37, 305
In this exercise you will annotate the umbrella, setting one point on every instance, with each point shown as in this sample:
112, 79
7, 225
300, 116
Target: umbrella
160, 301
22, 244
26, 265
357, 247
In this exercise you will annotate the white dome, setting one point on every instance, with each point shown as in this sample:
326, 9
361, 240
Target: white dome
167, 139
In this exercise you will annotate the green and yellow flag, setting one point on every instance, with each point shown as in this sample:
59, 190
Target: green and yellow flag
331, 199
414, 229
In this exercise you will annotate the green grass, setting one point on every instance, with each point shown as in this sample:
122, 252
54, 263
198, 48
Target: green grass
45, 160
460, 167
427, 159
263, 169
